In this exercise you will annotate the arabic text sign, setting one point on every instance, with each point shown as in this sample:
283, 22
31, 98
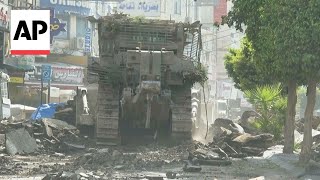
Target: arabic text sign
67, 75
148, 8
67, 6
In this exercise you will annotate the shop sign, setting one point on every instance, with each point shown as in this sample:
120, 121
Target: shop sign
87, 41
67, 6
148, 8
67, 75
60, 75
18, 80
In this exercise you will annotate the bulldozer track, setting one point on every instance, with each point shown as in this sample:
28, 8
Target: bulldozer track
107, 125
181, 114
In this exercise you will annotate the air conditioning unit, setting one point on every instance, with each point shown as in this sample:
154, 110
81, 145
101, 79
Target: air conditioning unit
80, 43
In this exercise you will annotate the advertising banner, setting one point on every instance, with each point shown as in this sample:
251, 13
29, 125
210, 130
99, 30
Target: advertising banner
67, 6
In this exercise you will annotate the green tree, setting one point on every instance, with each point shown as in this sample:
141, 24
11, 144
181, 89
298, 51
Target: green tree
256, 17
242, 68
285, 36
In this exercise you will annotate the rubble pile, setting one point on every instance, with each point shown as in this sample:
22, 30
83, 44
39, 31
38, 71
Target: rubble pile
231, 138
55, 135
46, 136
205, 155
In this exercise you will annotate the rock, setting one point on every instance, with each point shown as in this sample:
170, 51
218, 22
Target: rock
220, 125
84, 175
258, 178
247, 138
247, 118
206, 154
253, 151
58, 154
171, 175
238, 128
69, 175
315, 122
258, 143
96, 177
299, 137
57, 124
185, 156
104, 150
20, 141
47, 177
299, 126
91, 150
119, 167
116, 153
188, 167
71, 146
88, 155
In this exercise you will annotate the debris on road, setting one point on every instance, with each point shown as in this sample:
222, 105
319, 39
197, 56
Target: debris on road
20, 141
235, 142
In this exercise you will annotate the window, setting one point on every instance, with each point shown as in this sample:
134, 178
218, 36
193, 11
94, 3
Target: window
4, 89
177, 6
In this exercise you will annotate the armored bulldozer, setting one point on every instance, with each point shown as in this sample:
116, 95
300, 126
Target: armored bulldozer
146, 71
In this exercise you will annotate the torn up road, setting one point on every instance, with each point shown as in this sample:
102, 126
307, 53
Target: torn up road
53, 149
137, 162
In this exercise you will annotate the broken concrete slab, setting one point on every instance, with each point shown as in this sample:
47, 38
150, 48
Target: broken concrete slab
58, 124
20, 141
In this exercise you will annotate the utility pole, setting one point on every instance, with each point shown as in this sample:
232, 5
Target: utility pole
49, 89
